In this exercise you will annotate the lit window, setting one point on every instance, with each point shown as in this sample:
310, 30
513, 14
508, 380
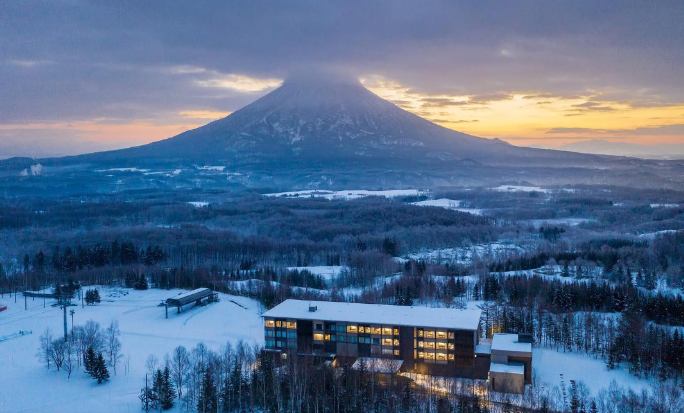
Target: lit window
451, 356
351, 329
396, 352
396, 342
270, 323
386, 341
429, 356
291, 324
421, 344
361, 330
327, 337
396, 331
278, 323
441, 356
420, 333
441, 346
452, 346
441, 335
387, 331
376, 330
451, 336
318, 337
421, 355
429, 334
429, 344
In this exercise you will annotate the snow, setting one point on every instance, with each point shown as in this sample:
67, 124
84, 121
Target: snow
570, 222
653, 235
378, 365
123, 170
664, 205
464, 255
507, 368
144, 331
548, 365
509, 342
211, 168
199, 204
346, 194
483, 349
378, 314
448, 204
519, 188
327, 272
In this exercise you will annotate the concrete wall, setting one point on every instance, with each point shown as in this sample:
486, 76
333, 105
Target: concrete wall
507, 382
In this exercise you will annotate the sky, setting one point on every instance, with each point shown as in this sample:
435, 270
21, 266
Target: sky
79, 76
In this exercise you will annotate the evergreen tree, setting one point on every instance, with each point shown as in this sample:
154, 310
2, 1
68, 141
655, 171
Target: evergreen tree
157, 385
168, 394
89, 362
650, 281
100, 372
206, 402
593, 407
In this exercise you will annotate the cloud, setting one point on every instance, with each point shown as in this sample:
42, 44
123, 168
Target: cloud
676, 129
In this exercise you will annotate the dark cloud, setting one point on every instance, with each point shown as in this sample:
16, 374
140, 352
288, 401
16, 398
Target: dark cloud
645, 131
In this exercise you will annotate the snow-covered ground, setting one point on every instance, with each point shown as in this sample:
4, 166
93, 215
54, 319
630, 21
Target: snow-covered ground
327, 272
346, 194
570, 222
519, 188
464, 255
448, 204
664, 205
199, 204
211, 168
29, 387
548, 365
653, 235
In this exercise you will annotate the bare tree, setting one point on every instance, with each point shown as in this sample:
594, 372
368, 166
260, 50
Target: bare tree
45, 350
112, 344
180, 364
58, 353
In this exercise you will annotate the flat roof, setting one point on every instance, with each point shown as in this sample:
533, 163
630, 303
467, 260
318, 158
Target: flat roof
483, 349
357, 313
509, 342
507, 368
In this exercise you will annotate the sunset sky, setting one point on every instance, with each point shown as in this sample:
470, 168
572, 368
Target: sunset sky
81, 76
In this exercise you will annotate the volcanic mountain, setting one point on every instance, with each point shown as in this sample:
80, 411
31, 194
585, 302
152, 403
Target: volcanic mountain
323, 132
321, 120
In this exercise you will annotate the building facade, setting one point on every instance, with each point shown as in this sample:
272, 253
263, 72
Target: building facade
435, 341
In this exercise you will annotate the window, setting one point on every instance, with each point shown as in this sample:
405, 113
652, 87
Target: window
429, 333
291, 334
364, 340
396, 342
341, 339
376, 341
270, 343
429, 344
451, 335
396, 331
318, 337
386, 341
270, 333
375, 350
270, 323
331, 327
451, 356
396, 352
291, 344
387, 331
291, 324
452, 346
441, 335
421, 344
387, 351
429, 356
341, 328
278, 323
319, 327
280, 333
279, 343
327, 337
420, 333
352, 339
441, 356
376, 330
361, 330
352, 329
421, 355
441, 346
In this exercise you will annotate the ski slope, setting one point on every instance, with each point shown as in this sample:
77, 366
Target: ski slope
30, 387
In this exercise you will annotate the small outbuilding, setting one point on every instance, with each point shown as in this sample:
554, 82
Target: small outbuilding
511, 363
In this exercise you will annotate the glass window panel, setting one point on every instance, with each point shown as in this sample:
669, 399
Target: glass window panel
318, 337
352, 329
270, 323
441, 356
376, 330
451, 356
396, 352
291, 324
429, 334
278, 324
429, 356
396, 342
429, 344
451, 335
386, 341
441, 346
341, 339
421, 355
387, 331
396, 331
441, 335
452, 346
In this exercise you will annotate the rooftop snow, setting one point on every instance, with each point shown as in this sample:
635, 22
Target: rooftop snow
189, 293
509, 342
378, 314
483, 349
507, 368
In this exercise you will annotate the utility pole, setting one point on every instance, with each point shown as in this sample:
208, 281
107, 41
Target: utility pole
72, 321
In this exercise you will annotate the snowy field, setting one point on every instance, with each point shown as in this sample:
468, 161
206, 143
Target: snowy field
346, 194
548, 365
570, 222
448, 204
519, 188
29, 387
327, 272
